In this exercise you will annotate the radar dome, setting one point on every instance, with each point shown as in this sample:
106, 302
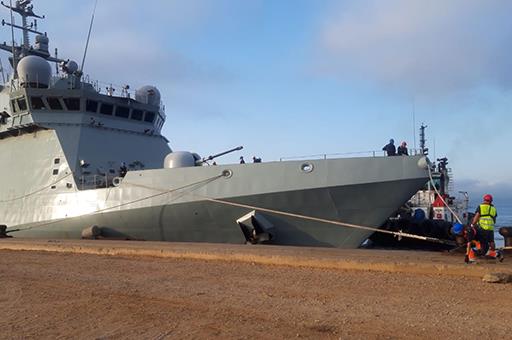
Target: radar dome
180, 159
148, 95
34, 71
70, 67
42, 43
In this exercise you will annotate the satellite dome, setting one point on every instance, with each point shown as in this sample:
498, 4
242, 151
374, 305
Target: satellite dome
34, 71
70, 66
148, 95
42, 43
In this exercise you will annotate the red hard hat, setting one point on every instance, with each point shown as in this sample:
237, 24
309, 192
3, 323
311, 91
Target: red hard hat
488, 198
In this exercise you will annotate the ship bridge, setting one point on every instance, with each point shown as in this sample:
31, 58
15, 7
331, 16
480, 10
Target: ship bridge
64, 125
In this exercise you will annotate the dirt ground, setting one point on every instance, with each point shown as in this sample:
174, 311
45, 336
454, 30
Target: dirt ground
65, 295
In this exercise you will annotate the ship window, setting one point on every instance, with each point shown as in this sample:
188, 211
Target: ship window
14, 107
37, 103
136, 114
55, 171
106, 109
73, 104
54, 103
91, 106
122, 111
56, 161
149, 117
22, 104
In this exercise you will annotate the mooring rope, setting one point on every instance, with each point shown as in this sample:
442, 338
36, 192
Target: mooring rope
36, 191
168, 191
398, 234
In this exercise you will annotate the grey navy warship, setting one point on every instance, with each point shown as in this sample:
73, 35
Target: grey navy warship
75, 157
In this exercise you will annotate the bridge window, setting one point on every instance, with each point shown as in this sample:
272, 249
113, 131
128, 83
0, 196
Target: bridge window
73, 104
122, 111
136, 114
37, 103
106, 109
22, 104
149, 117
91, 106
54, 103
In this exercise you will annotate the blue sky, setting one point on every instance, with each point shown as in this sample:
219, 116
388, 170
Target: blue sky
286, 78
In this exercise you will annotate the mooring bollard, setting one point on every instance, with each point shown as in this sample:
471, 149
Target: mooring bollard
506, 232
3, 231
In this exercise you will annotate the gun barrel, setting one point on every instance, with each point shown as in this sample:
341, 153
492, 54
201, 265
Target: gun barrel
209, 158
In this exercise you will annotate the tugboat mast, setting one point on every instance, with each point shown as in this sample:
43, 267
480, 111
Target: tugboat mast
423, 149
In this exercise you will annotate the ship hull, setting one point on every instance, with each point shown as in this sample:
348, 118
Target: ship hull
141, 208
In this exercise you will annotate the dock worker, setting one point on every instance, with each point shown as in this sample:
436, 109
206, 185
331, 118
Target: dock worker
242, 161
390, 148
402, 149
484, 219
256, 159
475, 240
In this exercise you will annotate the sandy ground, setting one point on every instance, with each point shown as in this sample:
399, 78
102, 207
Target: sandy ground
218, 292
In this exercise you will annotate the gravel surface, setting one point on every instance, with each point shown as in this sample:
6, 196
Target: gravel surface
63, 295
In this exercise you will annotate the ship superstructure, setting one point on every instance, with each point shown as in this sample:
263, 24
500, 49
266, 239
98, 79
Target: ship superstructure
75, 156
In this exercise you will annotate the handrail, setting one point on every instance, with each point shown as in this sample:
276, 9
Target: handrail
371, 153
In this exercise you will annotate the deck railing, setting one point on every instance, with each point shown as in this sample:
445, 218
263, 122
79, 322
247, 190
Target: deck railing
372, 153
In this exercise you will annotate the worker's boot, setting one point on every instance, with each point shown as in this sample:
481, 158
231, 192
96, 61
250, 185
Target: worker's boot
471, 256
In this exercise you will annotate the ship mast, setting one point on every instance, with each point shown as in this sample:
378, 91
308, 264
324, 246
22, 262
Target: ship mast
25, 9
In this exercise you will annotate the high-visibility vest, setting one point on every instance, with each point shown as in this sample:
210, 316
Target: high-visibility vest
487, 216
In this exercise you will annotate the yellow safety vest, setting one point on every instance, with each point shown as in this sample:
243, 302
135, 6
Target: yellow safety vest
487, 216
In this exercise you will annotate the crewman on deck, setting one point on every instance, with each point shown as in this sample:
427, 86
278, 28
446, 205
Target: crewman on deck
390, 148
402, 149
485, 218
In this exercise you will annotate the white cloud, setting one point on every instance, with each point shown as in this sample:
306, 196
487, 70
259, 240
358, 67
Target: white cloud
418, 46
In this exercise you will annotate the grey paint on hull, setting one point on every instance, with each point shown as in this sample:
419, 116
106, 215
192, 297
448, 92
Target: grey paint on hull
203, 221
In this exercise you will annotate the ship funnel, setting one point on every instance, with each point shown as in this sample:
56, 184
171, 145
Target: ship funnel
34, 71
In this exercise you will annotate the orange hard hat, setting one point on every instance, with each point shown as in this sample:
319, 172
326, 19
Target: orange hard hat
487, 198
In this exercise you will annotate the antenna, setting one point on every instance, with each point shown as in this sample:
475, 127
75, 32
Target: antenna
88, 37
14, 62
414, 121
2, 69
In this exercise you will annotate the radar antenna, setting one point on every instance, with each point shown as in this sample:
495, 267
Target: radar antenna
25, 9
88, 37
424, 150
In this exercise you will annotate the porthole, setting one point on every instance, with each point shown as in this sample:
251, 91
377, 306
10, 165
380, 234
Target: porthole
227, 173
306, 167
55, 171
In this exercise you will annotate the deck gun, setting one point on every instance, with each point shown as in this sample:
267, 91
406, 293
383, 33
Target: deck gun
209, 158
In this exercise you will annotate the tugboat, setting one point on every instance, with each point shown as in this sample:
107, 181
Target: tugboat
431, 212
79, 160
